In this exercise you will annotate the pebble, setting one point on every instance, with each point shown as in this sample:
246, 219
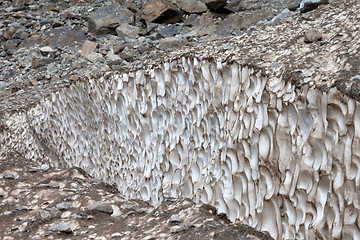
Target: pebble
9, 176
8, 213
46, 50
116, 235
45, 215
60, 227
44, 167
312, 35
176, 229
63, 206
175, 219
66, 215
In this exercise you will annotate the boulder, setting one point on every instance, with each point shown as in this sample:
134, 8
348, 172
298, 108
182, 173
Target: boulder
214, 4
160, 11
309, 5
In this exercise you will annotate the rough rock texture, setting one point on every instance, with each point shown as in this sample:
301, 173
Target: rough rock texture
160, 11
264, 126
190, 6
47, 203
109, 17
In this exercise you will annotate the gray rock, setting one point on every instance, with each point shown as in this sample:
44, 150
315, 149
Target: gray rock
95, 57
55, 213
63, 206
62, 37
234, 5
107, 18
171, 43
286, 13
175, 219
39, 62
309, 5
46, 50
102, 207
176, 229
292, 5
226, 46
62, 227
241, 21
187, 224
45, 167
113, 59
312, 35
214, 4
160, 11
20, 33
44, 215
190, 6
9, 176
127, 30
8, 213
10, 46
143, 48
169, 30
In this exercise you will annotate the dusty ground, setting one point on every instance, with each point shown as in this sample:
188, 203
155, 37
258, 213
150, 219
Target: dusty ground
38, 202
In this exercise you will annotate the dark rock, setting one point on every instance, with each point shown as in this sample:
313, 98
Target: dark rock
169, 30
19, 32
190, 6
126, 57
214, 4
131, 6
31, 41
107, 18
292, 5
62, 37
10, 46
309, 5
160, 11
39, 62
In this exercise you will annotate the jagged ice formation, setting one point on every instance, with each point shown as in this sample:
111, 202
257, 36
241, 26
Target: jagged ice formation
263, 126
